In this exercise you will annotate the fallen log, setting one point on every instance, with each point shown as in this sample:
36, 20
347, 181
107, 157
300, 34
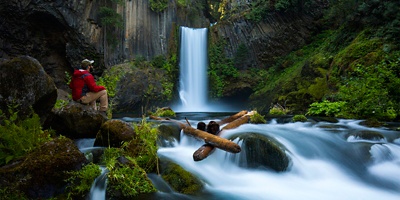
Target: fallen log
216, 141
232, 118
207, 149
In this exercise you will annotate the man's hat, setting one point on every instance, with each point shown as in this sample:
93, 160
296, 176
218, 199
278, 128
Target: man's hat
87, 62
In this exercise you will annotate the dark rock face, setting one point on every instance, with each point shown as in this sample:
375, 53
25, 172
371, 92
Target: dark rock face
75, 121
24, 82
43, 30
42, 174
62, 33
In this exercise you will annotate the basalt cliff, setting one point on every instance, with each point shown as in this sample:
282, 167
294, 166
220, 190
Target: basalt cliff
61, 33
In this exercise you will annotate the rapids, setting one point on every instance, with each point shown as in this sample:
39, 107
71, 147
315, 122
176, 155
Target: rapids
327, 162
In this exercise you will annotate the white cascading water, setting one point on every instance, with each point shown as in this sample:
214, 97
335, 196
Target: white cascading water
324, 164
193, 70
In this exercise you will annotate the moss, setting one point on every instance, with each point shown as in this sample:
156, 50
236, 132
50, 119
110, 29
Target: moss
81, 181
128, 180
359, 49
181, 180
299, 118
165, 112
257, 118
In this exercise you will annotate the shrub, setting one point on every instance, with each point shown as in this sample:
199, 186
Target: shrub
19, 137
278, 110
81, 181
326, 108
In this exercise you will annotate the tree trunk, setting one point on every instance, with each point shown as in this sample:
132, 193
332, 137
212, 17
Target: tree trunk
207, 149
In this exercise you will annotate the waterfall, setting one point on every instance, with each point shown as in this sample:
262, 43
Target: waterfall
193, 70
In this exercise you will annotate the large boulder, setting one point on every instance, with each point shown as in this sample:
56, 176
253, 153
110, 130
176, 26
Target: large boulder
140, 89
75, 121
42, 174
260, 151
24, 82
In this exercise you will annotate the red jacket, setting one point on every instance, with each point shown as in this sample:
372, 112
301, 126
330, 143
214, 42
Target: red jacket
83, 82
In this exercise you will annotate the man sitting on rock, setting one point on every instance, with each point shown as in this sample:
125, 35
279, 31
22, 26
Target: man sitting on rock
84, 88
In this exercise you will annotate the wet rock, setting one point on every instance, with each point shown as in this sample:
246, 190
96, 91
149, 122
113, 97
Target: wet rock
168, 133
259, 151
179, 179
113, 132
367, 135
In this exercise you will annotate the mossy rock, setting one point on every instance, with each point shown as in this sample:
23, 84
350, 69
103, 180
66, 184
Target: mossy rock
168, 133
113, 132
179, 179
24, 83
299, 118
42, 173
259, 151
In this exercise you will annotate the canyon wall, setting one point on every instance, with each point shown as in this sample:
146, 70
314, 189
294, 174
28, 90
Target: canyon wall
60, 33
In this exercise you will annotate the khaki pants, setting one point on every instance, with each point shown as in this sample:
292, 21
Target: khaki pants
91, 97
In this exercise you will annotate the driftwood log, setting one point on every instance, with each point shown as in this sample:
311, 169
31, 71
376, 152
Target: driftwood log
207, 149
214, 140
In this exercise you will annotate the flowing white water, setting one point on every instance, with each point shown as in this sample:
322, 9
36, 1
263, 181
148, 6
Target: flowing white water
324, 164
193, 70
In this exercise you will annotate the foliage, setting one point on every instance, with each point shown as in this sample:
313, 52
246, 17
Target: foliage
221, 69
261, 8
241, 55
19, 137
60, 103
130, 181
257, 118
158, 5
110, 17
128, 165
68, 77
277, 109
354, 64
163, 112
372, 91
144, 146
9, 193
326, 108
81, 181
182, 3
299, 118
110, 79
127, 179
